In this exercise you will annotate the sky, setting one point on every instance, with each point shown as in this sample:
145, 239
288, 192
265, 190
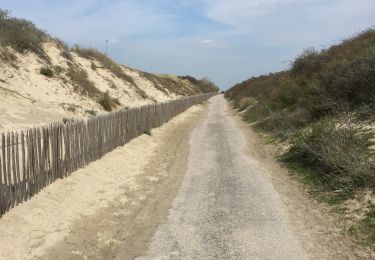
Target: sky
226, 40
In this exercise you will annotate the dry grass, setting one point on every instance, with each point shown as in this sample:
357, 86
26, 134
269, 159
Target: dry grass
246, 102
109, 64
106, 102
81, 82
338, 154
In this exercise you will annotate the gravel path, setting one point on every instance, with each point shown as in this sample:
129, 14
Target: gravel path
225, 208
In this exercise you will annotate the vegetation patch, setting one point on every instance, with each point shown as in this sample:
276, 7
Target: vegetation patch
298, 106
246, 103
107, 102
22, 35
109, 64
7, 56
65, 50
68, 120
339, 155
147, 132
81, 82
204, 85
91, 112
47, 71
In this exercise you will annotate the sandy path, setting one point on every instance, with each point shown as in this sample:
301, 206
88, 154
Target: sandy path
113, 189
237, 202
226, 208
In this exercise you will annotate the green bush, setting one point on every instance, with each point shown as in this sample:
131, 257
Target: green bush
22, 35
307, 63
338, 154
47, 71
147, 132
320, 83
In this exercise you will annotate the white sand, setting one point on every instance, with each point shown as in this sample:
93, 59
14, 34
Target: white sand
32, 227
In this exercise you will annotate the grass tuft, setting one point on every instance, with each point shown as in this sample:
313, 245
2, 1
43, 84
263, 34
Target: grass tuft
47, 71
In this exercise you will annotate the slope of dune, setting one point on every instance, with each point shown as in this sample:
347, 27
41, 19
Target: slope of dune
43, 80
30, 98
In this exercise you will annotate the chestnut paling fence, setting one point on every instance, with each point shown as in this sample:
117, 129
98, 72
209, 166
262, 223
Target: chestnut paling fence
31, 160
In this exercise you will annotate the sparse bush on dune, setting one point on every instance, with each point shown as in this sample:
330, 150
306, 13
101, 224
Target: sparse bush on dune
22, 35
47, 71
107, 102
65, 51
246, 102
207, 86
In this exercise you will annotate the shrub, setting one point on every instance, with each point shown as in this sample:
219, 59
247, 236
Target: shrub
47, 71
147, 132
65, 51
307, 63
204, 85
93, 66
366, 111
207, 86
246, 102
338, 154
320, 83
107, 102
68, 120
91, 112
58, 69
22, 35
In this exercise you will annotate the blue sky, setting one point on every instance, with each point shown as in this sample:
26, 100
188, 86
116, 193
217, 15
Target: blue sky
225, 40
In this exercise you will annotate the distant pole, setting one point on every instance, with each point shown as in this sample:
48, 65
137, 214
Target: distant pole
106, 47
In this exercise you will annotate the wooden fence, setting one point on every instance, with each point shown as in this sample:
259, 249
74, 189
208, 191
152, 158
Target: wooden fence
31, 160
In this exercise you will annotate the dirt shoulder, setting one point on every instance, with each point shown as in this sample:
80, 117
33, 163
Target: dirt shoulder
113, 205
321, 231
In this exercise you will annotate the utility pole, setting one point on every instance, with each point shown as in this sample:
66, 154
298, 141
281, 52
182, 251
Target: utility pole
106, 47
